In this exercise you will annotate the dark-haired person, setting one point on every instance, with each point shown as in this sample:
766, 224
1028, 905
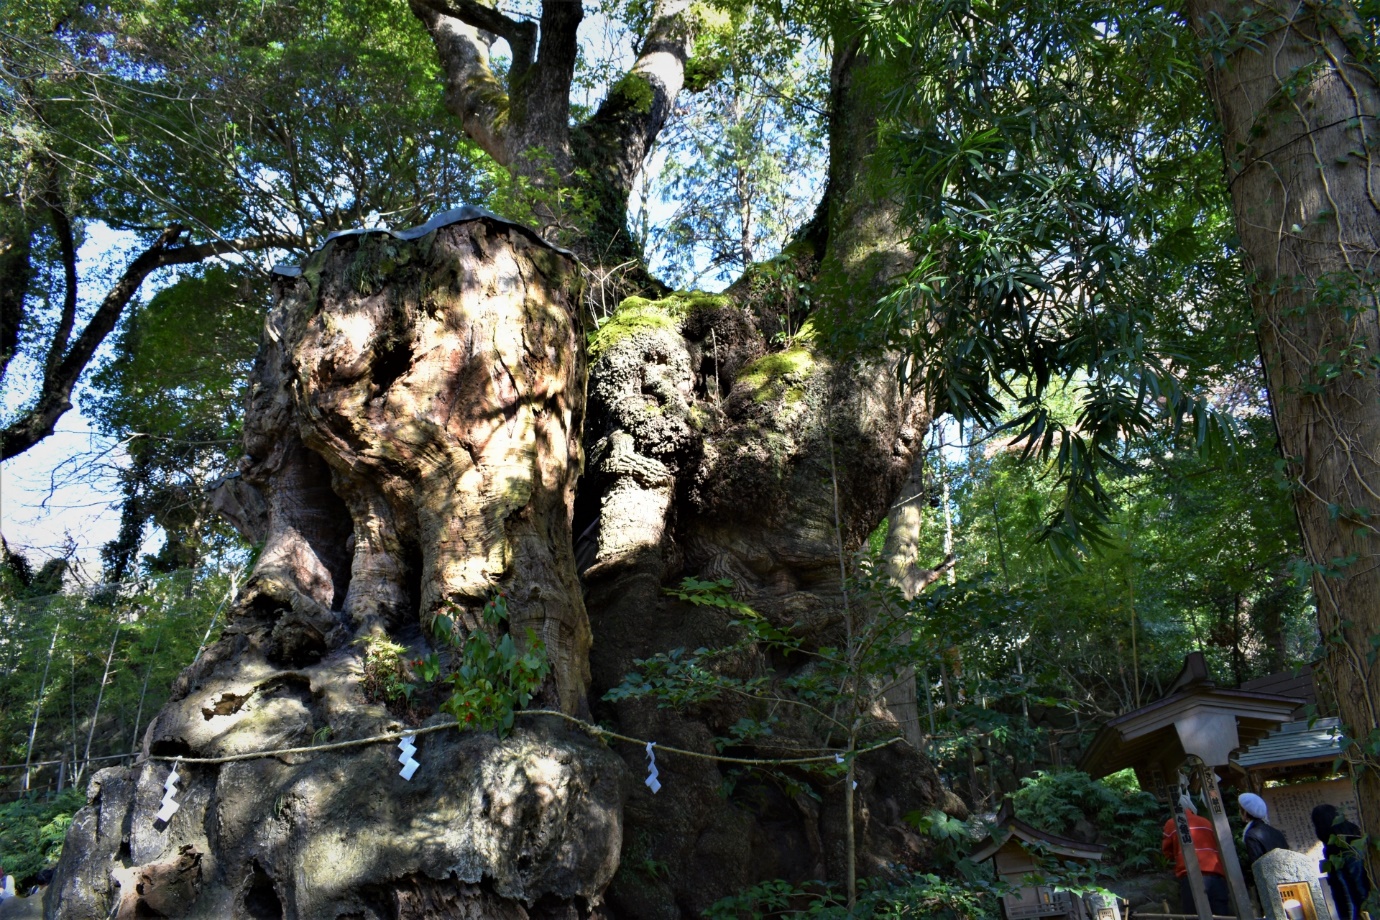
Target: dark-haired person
1346, 874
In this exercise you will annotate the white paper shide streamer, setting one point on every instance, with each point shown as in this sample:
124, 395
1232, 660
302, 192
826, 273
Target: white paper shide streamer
410, 764
838, 759
170, 806
652, 782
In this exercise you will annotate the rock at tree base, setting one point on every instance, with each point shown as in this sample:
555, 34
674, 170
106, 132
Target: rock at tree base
494, 828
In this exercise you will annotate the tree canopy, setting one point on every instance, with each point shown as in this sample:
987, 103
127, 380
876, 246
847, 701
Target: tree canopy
1033, 218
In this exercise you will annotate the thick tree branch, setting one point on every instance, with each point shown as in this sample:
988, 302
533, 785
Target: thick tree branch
62, 229
638, 105
520, 35
618, 137
462, 32
541, 109
61, 374
15, 272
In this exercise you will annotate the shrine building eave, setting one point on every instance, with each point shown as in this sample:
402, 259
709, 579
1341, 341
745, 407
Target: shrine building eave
1208, 721
1009, 828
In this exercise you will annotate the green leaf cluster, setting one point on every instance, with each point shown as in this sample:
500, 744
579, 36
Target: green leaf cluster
54, 658
492, 679
32, 829
910, 898
1070, 230
385, 673
1060, 801
173, 392
741, 170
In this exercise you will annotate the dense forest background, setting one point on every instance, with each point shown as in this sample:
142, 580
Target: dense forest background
1099, 487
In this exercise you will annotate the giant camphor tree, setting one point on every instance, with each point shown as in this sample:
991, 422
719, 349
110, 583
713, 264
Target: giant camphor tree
432, 421
427, 457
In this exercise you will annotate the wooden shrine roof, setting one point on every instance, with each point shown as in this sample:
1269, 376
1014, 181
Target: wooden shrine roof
1147, 735
1009, 826
1294, 683
1295, 744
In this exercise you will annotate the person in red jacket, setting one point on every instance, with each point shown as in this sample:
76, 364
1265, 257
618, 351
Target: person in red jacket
1209, 860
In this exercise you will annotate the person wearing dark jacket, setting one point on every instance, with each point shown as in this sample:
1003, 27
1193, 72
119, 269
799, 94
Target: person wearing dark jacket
1346, 875
1261, 837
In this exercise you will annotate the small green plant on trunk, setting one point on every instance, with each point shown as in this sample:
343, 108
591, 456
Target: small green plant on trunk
492, 678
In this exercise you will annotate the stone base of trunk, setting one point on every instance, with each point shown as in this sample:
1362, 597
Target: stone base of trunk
522, 828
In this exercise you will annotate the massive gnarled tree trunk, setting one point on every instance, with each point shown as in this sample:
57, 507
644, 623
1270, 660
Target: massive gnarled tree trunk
1301, 121
414, 428
428, 424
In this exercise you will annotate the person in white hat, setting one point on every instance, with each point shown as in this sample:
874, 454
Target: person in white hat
1261, 837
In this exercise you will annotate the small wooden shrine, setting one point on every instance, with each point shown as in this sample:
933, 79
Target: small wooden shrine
1181, 739
1018, 850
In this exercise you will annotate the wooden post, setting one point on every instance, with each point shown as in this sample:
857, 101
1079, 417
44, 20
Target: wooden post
1235, 879
1195, 872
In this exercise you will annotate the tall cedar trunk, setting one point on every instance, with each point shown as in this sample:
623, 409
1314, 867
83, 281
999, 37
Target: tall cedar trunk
416, 425
1301, 140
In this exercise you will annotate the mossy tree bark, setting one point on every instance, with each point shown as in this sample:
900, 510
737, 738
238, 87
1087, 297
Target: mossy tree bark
1301, 135
417, 430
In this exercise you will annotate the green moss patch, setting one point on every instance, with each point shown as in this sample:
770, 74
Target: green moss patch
634, 91
638, 313
778, 375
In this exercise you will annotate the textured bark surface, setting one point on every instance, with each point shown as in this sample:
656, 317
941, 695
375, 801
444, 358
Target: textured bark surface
415, 427
736, 485
414, 432
1301, 140
712, 452
523, 828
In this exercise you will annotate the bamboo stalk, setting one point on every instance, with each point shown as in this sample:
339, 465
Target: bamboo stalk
38, 706
100, 695
139, 713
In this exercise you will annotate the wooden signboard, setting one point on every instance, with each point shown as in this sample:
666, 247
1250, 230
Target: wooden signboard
1291, 809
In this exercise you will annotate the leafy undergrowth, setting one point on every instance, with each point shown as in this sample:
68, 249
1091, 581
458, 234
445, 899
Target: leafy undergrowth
1059, 801
926, 896
32, 830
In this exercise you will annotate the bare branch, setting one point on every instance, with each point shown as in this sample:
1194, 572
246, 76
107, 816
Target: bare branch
61, 375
